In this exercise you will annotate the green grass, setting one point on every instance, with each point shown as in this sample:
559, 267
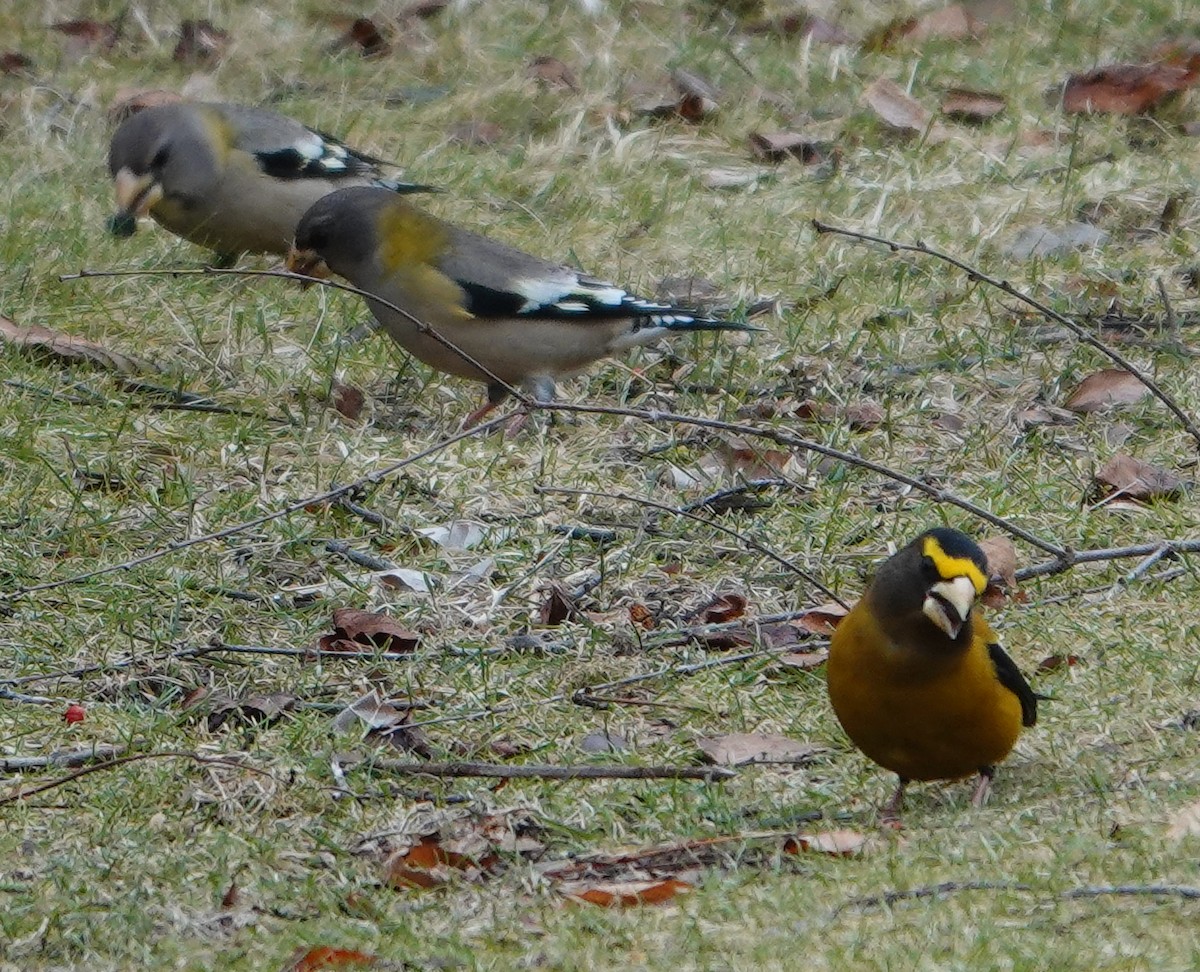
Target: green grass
126, 867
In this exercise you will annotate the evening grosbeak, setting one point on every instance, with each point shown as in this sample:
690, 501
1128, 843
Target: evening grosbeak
525, 320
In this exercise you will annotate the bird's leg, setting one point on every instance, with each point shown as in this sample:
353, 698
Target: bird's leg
495, 395
983, 786
540, 389
889, 816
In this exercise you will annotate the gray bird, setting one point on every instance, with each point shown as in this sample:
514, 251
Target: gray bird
232, 178
525, 320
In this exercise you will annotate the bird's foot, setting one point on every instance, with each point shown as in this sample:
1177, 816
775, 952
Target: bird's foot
983, 786
889, 814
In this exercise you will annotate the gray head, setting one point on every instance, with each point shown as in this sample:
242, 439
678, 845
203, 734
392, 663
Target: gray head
341, 228
162, 153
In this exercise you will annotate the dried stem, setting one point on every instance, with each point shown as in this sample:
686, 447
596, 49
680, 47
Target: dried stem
974, 273
709, 774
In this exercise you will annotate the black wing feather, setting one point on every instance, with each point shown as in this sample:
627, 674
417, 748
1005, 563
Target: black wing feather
1011, 678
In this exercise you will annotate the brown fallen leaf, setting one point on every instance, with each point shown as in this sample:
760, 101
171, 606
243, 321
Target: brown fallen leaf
902, 112
780, 146
955, 23
740, 748
1053, 663
364, 35
1185, 823
42, 342
355, 629
14, 62
804, 660
1105, 388
823, 618
800, 23
1125, 89
722, 608
552, 72
557, 607
326, 957
1001, 555
86, 35
976, 107
1036, 415
836, 843
347, 400
627, 894
1134, 479
426, 865
200, 42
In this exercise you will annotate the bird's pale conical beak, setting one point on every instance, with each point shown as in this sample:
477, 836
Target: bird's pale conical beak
136, 196
948, 604
308, 263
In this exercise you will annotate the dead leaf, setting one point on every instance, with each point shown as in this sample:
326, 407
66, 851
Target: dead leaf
200, 43
1124, 89
804, 660
1185, 823
557, 607
355, 630
954, 23
836, 843
423, 9
427, 865
1054, 662
372, 710
627, 894
1036, 415
722, 608
552, 72
747, 460
455, 535
347, 400
864, 416
14, 62
976, 107
697, 97
800, 23
42, 342
823, 618
1001, 555
267, 708
1110, 386
86, 35
740, 748
366, 36
901, 112
780, 146
1132, 478
326, 957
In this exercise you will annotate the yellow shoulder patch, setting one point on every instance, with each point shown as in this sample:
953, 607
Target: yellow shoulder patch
950, 567
408, 238
221, 134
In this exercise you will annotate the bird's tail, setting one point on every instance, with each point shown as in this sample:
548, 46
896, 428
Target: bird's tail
683, 321
406, 188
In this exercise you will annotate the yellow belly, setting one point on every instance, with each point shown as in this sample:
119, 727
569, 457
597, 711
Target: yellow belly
925, 715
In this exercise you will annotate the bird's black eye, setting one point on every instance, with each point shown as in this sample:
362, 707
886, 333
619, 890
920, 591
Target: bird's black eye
929, 570
316, 237
160, 158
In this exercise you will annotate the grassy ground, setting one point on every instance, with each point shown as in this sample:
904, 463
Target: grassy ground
126, 868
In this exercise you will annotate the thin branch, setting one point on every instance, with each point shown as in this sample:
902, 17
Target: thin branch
1134, 890
123, 761
1074, 558
709, 774
687, 514
886, 898
327, 497
975, 274
99, 753
8, 695
421, 326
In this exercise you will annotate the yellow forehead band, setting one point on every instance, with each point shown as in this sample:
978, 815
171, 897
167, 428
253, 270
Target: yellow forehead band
949, 567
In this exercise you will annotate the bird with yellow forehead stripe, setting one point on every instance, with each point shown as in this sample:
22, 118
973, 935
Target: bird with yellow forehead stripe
918, 680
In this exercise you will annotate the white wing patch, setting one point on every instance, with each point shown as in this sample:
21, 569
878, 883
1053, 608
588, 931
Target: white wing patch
580, 296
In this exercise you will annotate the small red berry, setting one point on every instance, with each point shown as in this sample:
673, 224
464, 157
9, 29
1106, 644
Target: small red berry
75, 713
